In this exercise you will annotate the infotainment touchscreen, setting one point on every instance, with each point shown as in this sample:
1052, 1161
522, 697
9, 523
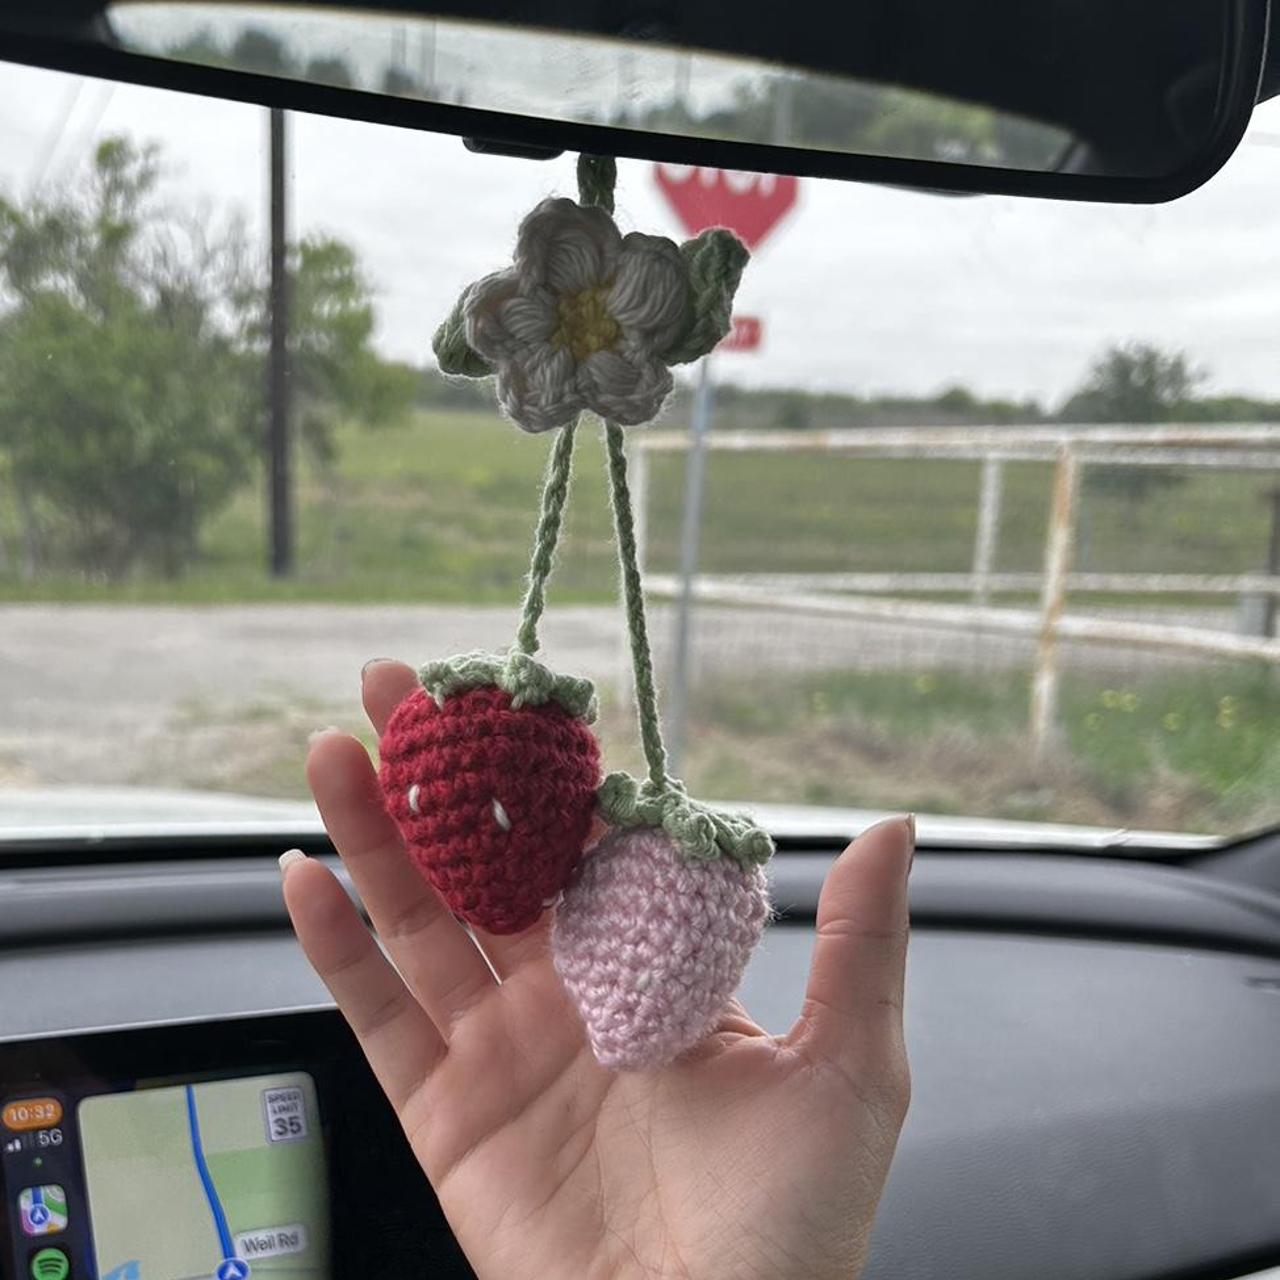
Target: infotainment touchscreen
249, 1148
216, 1178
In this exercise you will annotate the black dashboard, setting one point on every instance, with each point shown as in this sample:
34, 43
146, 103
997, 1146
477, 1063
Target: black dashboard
1095, 1046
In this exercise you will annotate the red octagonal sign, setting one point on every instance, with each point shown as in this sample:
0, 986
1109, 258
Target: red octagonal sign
749, 204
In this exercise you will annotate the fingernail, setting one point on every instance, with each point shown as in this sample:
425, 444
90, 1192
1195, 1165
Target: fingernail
289, 857
373, 662
910, 821
319, 733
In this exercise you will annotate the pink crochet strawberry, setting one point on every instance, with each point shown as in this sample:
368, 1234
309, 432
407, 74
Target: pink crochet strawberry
490, 772
651, 946
655, 930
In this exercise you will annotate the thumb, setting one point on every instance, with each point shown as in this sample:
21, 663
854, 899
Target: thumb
852, 1012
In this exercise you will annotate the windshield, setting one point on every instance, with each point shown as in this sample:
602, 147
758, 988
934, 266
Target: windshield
990, 524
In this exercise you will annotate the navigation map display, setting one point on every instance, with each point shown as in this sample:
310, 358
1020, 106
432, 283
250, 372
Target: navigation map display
224, 1179
206, 1176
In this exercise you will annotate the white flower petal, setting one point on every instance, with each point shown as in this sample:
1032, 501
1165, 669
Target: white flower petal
530, 318
651, 295
538, 389
627, 387
566, 247
482, 311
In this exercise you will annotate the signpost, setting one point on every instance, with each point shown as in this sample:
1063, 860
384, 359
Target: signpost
750, 205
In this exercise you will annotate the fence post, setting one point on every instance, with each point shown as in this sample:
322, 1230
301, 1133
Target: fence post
1057, 565
1272, 497
984, 543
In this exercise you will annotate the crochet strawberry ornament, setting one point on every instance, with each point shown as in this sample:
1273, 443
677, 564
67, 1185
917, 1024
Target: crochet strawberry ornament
490, 769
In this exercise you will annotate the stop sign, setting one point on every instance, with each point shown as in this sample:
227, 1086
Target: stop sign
749, 204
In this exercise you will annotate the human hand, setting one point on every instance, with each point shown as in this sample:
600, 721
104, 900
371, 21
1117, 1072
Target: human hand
752, 1156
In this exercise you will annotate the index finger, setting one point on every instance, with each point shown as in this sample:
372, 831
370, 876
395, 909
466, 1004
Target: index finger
384, 685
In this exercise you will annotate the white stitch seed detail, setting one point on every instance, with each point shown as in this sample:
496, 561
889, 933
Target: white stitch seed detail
414, 792
500, 815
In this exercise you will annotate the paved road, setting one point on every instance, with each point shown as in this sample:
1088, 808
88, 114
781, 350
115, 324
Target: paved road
80, 686
107, 694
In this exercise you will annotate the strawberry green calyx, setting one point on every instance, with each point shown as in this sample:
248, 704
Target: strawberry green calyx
701, 833
529, 683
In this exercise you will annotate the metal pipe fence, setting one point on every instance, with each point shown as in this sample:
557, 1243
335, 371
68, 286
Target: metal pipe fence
884, 596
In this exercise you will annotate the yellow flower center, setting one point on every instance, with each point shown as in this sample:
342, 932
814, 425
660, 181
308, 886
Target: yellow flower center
585, 323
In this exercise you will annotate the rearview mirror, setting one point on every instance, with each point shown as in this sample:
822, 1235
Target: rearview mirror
1128, 100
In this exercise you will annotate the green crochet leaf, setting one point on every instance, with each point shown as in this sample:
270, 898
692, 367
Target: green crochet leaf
715, 261
701, 832
529, 683
452, 351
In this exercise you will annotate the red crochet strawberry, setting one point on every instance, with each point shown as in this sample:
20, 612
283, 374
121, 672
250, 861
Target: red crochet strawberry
490, 772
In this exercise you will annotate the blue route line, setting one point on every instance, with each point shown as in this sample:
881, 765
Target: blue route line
210, 1191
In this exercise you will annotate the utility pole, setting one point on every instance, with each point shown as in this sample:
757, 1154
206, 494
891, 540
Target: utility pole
280, 488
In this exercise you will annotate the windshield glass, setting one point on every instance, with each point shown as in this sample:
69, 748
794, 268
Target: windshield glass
990, 525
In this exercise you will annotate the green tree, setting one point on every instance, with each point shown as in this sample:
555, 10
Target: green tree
133, 367
1134, 382
332, 71
335, 373
261, 50
122, 396
862, 116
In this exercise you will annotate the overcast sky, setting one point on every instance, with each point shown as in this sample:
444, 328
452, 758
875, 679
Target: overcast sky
861, 289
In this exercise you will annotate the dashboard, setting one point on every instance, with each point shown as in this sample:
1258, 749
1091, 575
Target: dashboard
1095, 1046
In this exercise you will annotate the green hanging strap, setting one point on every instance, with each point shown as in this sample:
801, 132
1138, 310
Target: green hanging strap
517, 671
655, 752
699, 831
597, 176
555, 493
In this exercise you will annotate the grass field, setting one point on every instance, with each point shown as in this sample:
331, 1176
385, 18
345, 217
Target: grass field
1180, 753
441, 508
1184, 752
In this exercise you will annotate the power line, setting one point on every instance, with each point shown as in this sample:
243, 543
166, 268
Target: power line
45, 156
96, 112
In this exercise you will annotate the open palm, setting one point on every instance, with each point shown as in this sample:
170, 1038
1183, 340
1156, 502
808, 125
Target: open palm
753, 1156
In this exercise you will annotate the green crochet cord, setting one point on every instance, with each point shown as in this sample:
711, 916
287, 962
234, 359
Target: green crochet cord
555, 493
597, 177
655, 753
701, 832
715, 260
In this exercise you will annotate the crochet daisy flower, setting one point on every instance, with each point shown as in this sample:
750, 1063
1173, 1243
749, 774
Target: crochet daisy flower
587, 318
